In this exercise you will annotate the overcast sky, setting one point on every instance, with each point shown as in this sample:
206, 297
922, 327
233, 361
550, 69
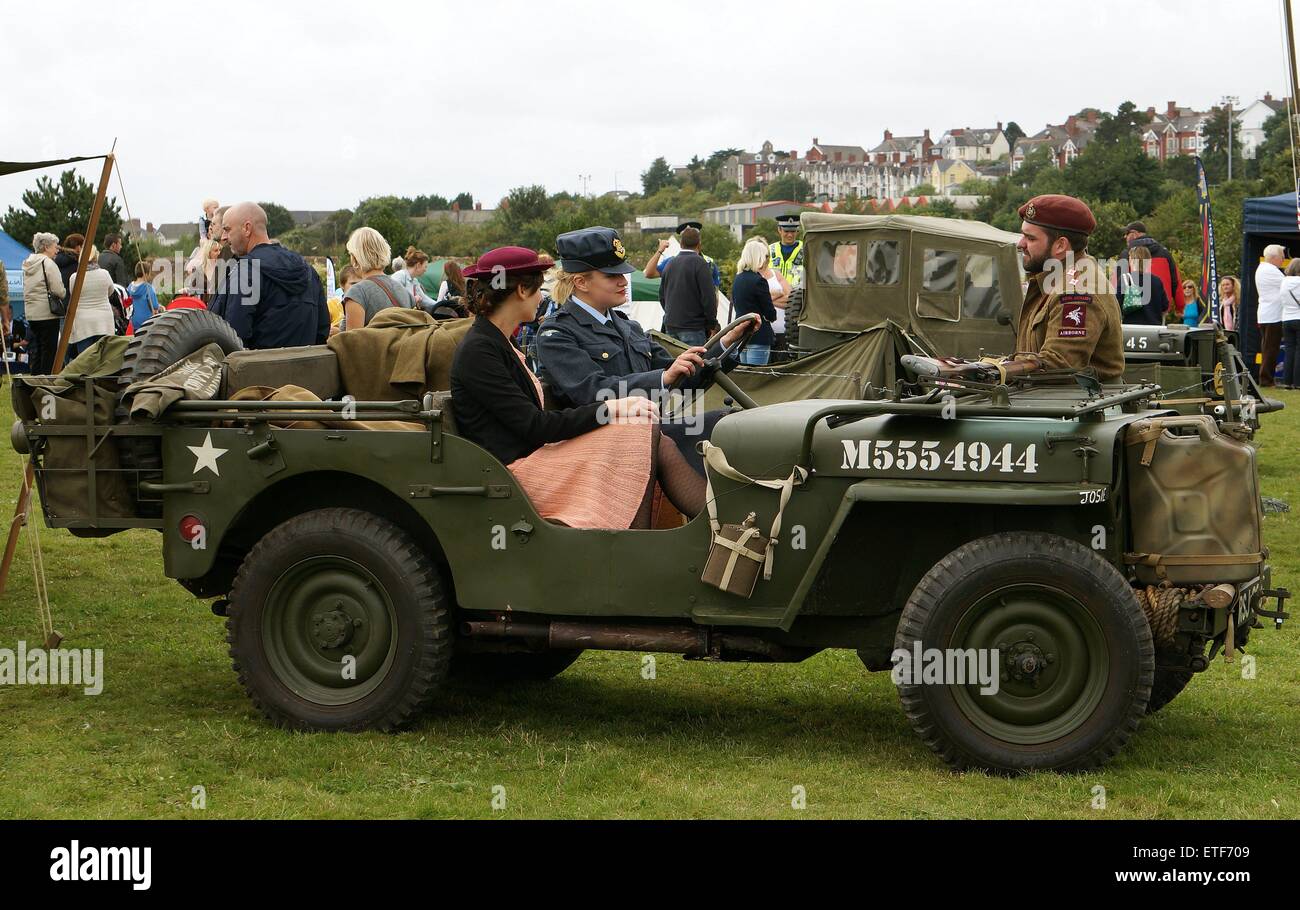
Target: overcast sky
318, 105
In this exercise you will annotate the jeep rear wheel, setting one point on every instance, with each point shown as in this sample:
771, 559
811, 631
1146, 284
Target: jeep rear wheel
1073, 653
337, 621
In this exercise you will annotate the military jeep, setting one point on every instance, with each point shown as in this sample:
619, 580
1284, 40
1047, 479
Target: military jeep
1089, 551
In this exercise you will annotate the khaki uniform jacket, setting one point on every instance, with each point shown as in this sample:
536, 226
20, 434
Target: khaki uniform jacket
1072, 321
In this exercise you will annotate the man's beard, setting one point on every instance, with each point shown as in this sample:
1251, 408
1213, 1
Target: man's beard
1033, 265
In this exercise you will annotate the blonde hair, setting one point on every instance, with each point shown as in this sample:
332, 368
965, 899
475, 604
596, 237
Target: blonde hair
1236, 285
565, 285
368, 249
753, 258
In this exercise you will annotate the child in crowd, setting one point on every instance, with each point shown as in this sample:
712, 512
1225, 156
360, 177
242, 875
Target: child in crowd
144, 299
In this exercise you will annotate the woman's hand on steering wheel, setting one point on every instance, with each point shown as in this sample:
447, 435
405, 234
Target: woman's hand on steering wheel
687, 364
734, 337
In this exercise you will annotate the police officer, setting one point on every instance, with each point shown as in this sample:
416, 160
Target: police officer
787, 258
658, 265
1070, 319
588, 350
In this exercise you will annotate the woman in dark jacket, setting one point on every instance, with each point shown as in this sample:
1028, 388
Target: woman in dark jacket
67, 258
587, 467
751, 293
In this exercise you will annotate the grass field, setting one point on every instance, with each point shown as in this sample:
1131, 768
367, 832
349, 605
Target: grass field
700, 741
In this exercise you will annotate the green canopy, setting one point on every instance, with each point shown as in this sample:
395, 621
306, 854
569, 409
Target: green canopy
432, 278
643, 288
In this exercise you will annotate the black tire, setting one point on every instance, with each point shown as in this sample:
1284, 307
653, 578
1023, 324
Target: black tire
1166, 686
326, 584
161, 342
1045, 603
793, 310
523, 667
172, 336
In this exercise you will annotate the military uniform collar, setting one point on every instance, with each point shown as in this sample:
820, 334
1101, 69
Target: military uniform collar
587, 316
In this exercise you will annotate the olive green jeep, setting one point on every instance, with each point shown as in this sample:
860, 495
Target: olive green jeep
1038, 565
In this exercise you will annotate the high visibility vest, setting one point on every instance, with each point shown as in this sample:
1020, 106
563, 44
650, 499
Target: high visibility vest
791, 268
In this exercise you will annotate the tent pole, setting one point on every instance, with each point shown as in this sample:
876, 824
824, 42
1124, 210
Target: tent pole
24, 494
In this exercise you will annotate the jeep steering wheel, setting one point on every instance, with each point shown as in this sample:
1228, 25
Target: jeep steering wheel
713, 365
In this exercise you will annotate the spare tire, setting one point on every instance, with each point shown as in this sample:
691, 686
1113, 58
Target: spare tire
162, 341
173, 336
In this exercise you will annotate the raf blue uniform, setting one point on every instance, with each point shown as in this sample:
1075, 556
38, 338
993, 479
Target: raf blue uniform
580, 356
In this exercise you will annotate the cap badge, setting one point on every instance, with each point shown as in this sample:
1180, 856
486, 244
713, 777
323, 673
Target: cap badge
1030, 211
618, 249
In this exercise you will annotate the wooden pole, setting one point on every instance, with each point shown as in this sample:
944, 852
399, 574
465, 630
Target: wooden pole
1292, 69
24, 494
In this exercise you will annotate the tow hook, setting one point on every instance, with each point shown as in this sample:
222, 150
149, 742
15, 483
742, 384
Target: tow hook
1280, 614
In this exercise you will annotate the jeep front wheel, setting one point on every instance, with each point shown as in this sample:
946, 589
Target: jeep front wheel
1063, 630
337, 621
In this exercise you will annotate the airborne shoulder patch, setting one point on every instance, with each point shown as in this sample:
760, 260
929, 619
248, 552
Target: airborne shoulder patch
1074, 315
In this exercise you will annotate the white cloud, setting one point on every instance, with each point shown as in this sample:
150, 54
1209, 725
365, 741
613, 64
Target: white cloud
317, 105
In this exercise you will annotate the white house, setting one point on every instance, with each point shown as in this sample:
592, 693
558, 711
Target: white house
1251, 119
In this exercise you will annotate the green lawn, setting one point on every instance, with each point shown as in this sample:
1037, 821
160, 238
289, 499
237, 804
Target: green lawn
700, 741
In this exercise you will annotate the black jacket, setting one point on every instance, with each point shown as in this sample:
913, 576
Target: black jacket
273, 299
687, 293
496, 402
114, 264
66, 262
750, 294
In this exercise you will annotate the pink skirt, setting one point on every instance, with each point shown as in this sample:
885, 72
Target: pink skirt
596, 480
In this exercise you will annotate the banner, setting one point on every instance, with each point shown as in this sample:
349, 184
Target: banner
1209, 267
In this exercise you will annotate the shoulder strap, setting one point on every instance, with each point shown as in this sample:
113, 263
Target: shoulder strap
387, 293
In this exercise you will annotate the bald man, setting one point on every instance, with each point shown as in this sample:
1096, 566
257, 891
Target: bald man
270, 296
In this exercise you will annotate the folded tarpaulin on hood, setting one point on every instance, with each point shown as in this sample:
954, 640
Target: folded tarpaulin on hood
17, 167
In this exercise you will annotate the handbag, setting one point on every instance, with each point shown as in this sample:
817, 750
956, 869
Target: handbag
58, 305
738, 550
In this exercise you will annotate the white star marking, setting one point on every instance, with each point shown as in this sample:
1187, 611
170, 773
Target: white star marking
206, 455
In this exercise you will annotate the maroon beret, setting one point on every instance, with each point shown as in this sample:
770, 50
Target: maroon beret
1062, 213
511, 260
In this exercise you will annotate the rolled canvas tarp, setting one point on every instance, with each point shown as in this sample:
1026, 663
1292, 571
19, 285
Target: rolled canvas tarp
839, 372
17, 167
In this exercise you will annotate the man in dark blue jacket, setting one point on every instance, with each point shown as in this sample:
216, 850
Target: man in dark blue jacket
272, 298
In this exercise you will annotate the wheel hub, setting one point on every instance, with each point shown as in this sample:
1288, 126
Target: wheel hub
332, 629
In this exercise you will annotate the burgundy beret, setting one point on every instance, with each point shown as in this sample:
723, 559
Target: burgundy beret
512, 260
1062, 213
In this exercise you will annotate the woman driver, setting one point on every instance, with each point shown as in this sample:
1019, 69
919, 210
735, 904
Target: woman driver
592, 466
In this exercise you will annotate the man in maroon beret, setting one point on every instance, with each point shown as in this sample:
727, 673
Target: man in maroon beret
1070, 319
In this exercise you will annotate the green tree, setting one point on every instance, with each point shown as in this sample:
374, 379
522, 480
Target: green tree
61, 208
1117, 172
1014, 133
976, 186
1215, 155
1106, 240
1273, 157
387, 215
423, 205
1126, 123
925, 189
658, 176
524, 204
464, 200
942, 208
789, 186
278, 219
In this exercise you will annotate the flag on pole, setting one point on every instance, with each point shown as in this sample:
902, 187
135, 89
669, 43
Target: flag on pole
331, 289
1209, 268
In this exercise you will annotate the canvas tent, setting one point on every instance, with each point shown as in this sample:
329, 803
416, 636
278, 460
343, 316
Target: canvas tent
1265, 220
12, 254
